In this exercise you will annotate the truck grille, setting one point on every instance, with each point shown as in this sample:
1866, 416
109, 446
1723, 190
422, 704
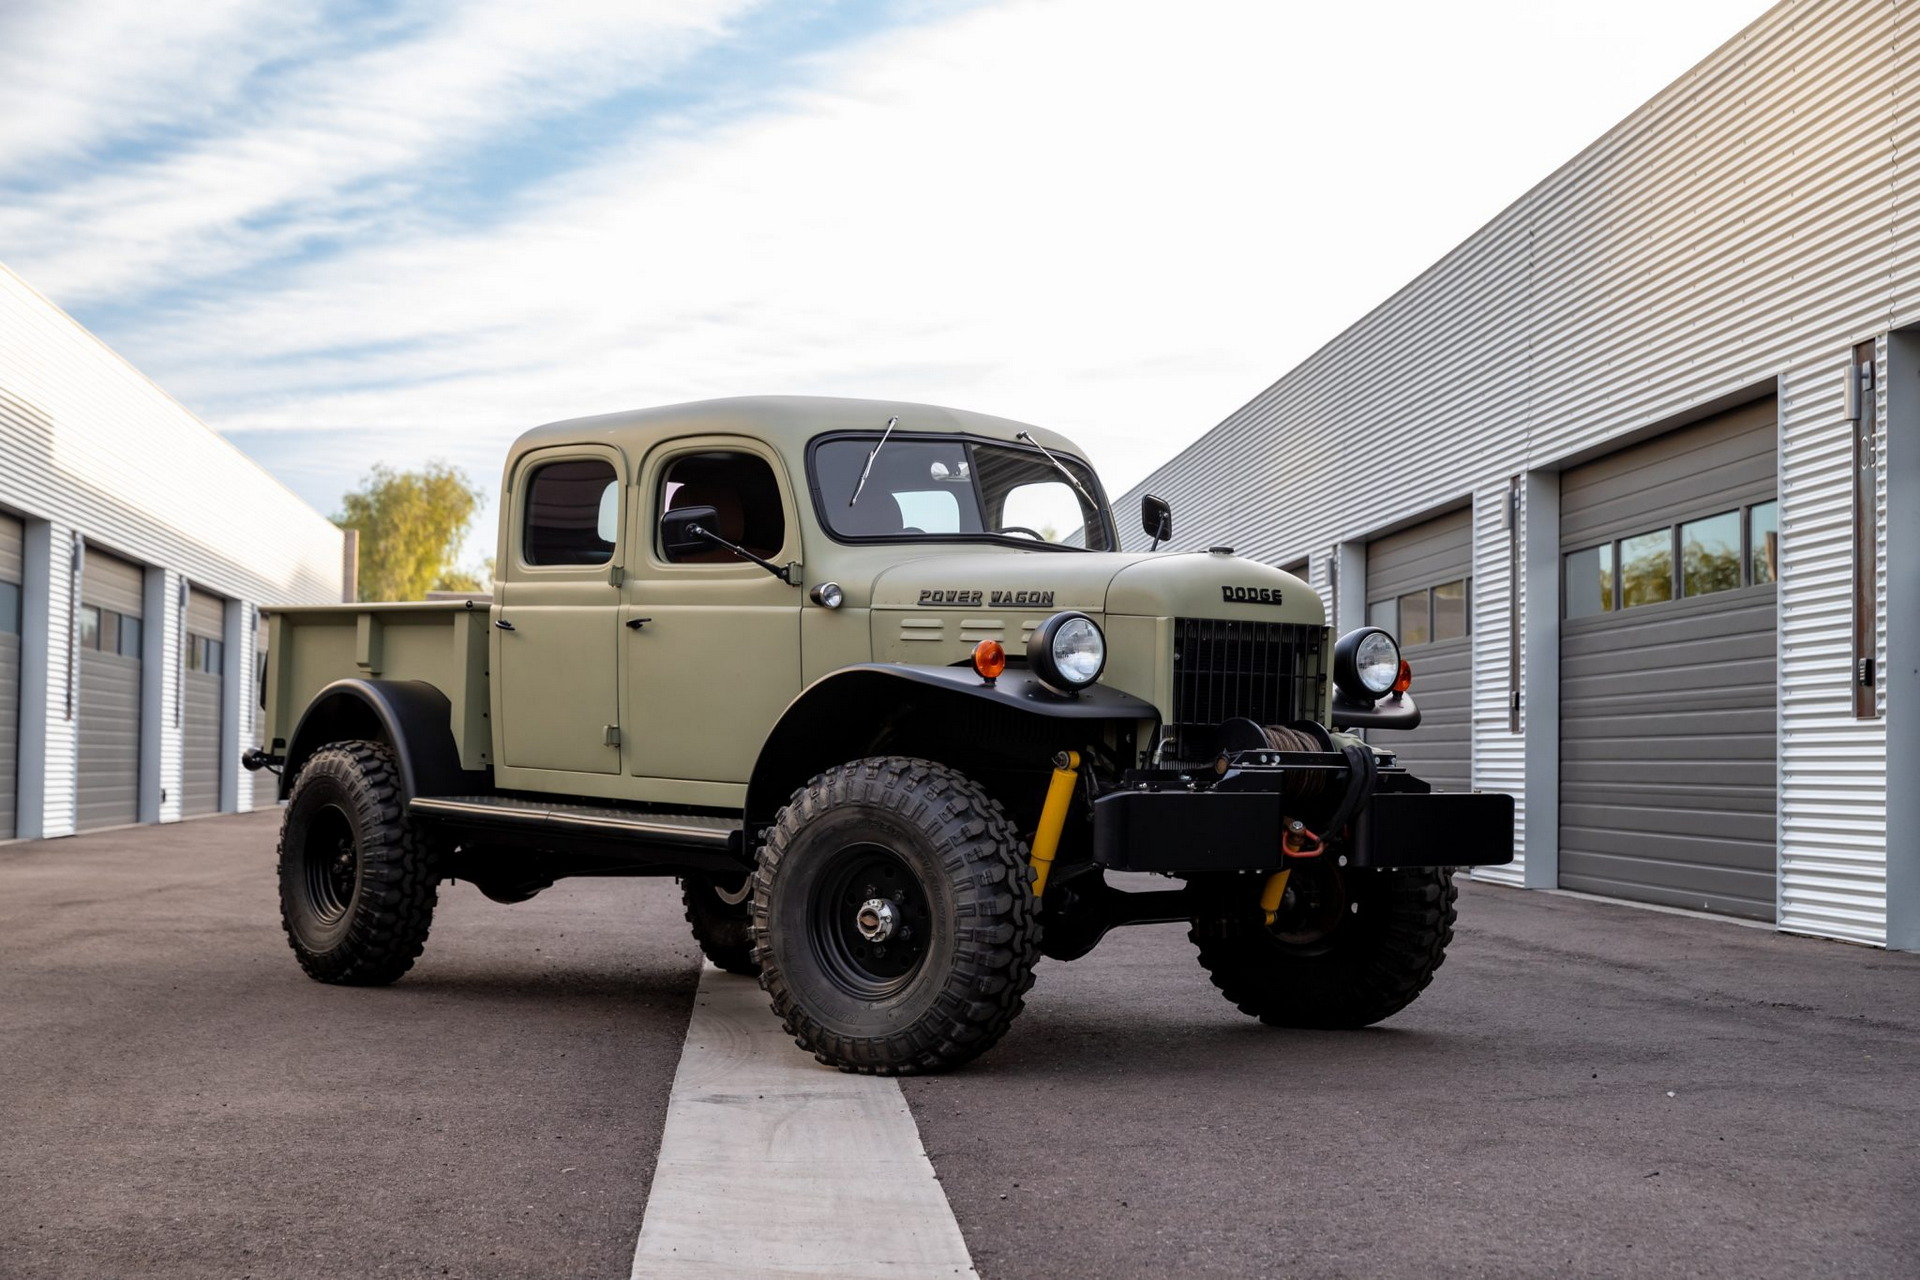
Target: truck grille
1269, 672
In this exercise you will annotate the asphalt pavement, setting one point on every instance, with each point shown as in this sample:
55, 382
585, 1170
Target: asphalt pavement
1587, 1089
178, 1100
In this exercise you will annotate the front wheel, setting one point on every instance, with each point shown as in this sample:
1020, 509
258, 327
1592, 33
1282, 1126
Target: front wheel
1347, 948
357, 881
896, 927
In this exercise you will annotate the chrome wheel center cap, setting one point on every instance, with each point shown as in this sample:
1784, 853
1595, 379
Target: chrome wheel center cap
876, 919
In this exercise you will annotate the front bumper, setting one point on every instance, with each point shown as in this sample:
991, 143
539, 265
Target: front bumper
1186, 823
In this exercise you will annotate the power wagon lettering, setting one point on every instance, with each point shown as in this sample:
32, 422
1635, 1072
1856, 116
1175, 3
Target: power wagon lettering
1043, 599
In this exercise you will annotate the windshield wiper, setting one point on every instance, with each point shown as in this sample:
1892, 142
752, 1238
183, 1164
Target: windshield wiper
871, 455
1059, 466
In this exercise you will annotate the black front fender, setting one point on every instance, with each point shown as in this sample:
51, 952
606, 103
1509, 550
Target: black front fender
841, 717
411, 716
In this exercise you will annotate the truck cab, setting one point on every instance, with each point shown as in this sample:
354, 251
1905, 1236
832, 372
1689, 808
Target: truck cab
864, 675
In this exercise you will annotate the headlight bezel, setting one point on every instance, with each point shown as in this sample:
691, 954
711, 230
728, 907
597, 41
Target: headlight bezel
1045, 664
1347, 664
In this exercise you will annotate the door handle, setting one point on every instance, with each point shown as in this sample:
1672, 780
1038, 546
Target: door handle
637, 623
503, 624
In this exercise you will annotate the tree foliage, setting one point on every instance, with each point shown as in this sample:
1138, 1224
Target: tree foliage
411, 524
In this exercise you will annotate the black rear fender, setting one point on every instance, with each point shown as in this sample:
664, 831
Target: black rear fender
411, 716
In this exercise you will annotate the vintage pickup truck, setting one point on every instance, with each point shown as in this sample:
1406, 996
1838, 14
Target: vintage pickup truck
875, 681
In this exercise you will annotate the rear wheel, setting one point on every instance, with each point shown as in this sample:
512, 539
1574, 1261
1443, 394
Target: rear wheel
896, 927
357, 881
1347, 948
721, 913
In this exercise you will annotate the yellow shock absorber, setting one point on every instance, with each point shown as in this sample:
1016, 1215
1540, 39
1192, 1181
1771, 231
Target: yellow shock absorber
1053, 817
1274, 893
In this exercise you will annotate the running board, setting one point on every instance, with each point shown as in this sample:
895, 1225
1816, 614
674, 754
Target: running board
692, 832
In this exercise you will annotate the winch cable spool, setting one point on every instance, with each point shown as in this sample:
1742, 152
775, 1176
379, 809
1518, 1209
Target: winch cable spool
1363, 772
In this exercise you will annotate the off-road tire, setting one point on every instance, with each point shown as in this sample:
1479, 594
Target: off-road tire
723, 929
1372, 966
363, 924
981, 939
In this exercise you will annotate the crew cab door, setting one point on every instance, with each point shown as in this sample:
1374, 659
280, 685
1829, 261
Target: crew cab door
712, 644
556, 656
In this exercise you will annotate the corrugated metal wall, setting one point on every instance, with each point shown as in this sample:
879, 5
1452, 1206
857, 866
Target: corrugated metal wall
89, 445
1740, 232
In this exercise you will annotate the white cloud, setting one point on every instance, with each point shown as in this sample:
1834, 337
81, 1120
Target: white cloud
1122, 220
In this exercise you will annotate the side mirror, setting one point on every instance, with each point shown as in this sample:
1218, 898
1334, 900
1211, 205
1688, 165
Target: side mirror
677, 536
1156, 517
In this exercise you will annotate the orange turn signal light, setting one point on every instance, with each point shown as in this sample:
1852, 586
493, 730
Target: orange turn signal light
1403, 681
989, 659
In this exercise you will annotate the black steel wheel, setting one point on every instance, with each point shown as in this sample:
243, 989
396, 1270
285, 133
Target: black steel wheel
1347, 948
720, 911
894, 920
357, 882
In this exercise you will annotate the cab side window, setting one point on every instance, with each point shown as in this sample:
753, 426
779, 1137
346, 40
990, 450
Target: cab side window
741, 489
572, 514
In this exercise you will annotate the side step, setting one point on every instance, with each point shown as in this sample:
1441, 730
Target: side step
530, 816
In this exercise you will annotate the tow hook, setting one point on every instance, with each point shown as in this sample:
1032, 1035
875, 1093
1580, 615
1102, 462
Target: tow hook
1297, 842
1053, 818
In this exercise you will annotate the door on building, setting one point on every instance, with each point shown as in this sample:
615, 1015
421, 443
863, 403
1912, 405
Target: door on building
107, 780
555, 653
10, 576
1668, 671
1420, 587
202, 680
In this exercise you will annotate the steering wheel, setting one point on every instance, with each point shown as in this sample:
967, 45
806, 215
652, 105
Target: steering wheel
1020, 528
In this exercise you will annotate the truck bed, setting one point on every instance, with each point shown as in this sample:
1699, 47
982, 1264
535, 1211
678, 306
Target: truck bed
443, 643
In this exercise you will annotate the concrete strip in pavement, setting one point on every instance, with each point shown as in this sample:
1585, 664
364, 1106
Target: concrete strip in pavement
772, 1165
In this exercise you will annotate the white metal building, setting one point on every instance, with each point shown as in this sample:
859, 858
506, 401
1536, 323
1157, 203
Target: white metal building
1651, 434
136, 547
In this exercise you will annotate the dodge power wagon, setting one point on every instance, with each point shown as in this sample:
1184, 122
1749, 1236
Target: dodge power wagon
877, 684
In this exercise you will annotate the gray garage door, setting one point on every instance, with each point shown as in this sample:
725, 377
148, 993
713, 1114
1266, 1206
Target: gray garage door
200, 745
110, 635
1420, 587
9, 673
1667, 669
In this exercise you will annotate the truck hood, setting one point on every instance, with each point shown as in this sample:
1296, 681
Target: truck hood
1186, 584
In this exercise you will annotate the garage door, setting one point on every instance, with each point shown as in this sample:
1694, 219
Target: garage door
110, 633
1420, 587
9, 673
205, 666
1668, 671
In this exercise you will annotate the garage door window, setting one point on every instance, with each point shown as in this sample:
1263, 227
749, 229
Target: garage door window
1710, 554
109, 632
204, 653
9, 608
1763, 537
1699, 557
1425, 617
1590, 582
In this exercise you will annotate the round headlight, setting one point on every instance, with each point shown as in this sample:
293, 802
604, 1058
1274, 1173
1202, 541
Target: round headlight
828, 595
1366, 663
1067, 652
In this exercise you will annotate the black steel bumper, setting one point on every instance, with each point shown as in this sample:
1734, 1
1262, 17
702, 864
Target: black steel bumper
1191, 826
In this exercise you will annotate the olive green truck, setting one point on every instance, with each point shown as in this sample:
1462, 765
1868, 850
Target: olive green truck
876, 683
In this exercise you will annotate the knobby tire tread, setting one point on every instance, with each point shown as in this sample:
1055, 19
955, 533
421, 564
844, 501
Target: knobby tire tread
392, 909
1362, 980
987, 863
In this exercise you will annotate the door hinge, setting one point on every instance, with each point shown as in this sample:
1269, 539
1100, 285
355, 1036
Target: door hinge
613, 735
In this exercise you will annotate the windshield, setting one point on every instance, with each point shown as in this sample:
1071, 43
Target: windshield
945, 489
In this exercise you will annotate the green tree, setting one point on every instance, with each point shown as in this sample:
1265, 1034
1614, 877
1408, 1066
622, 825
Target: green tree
411, 524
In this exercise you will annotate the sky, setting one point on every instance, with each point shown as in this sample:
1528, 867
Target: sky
346, 232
